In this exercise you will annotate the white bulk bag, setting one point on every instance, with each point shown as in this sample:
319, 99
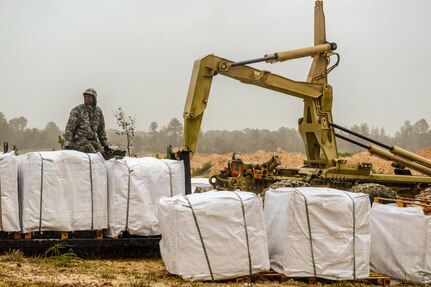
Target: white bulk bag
9, 206
135, 187
401, 243
318, 232
205, 236
202, 183
63, 191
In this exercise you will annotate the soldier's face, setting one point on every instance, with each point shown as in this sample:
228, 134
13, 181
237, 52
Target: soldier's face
89, 100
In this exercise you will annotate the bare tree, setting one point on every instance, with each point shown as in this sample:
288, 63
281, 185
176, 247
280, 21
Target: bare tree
127, 124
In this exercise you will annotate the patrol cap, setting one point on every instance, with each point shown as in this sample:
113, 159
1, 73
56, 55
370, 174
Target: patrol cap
90, 91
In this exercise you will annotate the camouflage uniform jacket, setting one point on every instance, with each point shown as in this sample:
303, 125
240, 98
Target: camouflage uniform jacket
85, 125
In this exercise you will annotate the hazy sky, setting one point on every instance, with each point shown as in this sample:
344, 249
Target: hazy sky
139, 55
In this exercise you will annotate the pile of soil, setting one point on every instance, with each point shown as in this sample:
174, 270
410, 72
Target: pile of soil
220, 161
379, 165
292, 159
426, 152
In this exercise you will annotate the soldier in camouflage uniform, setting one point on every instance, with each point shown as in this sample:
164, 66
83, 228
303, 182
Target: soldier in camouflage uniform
85, 130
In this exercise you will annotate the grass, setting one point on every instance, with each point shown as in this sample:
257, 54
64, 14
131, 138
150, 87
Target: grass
108, 272
55, 256
13, 255
3, 273
144, 281
203, 170
345, 154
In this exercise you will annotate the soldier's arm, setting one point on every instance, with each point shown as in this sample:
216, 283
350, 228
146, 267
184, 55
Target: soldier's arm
71, 126
101, 133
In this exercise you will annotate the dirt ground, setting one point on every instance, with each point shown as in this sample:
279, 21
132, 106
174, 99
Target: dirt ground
17, 270
293, 159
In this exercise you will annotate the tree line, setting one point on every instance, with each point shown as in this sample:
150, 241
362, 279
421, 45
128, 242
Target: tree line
411, 136
16, 133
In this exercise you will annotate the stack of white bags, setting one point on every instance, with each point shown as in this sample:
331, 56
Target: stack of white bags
302, 232
9, 207
401, 243
135, 187
318, 232
213, 235
63, 191
68, 191
310, 232
202, 183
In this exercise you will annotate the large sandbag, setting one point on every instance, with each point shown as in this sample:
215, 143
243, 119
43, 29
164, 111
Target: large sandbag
63, 191
205, 236
135, 187
401, 243
200, 184
9, 206
318, 232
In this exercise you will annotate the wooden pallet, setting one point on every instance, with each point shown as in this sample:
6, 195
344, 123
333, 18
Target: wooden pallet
63, 235
374, 278
142, 247
425, 204
379, 279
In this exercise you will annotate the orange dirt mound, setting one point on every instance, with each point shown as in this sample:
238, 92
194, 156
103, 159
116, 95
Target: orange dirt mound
379, 165
292, 159
426, 152
220, 160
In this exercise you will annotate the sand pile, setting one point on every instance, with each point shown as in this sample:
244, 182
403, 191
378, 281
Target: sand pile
379, 165
426, 152
293, 159
220, 160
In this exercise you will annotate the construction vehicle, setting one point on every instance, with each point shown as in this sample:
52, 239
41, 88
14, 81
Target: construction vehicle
317, 128
323, 167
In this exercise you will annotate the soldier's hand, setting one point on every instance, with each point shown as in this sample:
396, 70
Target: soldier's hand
107, 149
68, 146
91, 136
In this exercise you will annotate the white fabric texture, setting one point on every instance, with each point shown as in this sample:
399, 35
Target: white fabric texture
60, 192
219, 216
401, 243
202, 183
133, 204
318, 232
9, 206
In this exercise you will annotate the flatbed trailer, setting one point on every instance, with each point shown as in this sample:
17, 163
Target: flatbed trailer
84, 244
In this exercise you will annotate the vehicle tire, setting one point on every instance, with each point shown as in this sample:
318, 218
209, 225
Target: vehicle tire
374, 190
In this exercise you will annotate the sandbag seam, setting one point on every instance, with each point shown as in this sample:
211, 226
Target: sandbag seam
200, 237
354, 234
309, 230
170, 176
91, 187
246, 234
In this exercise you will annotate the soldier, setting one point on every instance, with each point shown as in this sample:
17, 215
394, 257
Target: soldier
85, 130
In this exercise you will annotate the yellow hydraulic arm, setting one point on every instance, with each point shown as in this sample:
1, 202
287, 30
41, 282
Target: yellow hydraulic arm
314, 126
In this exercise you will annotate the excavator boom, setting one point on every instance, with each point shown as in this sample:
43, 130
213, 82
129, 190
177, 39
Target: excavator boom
322, 166
207, 67
317, 134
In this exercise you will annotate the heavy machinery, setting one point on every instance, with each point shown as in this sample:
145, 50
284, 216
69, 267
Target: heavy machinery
317, 128
322, 167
